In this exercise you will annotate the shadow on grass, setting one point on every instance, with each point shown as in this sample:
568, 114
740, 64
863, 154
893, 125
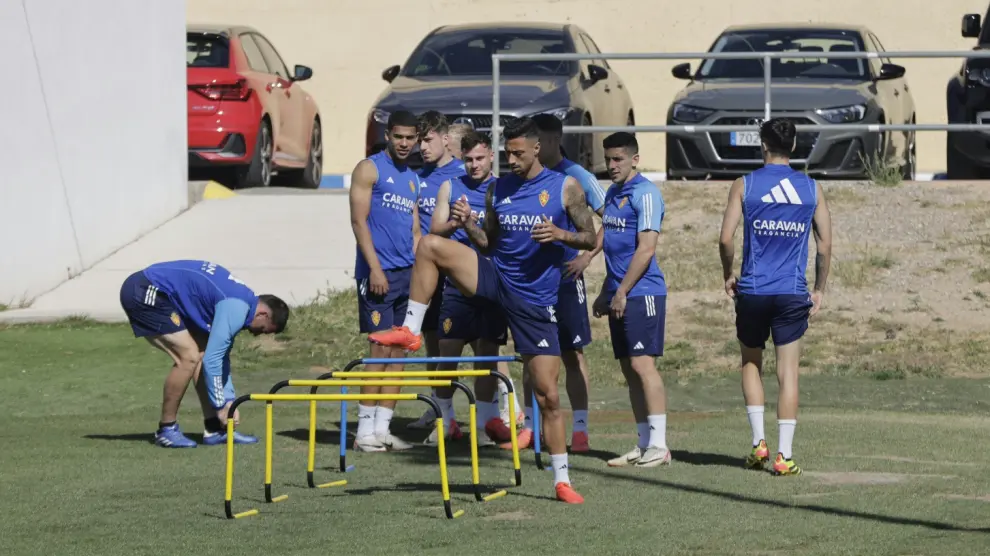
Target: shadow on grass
936, 525
140, 437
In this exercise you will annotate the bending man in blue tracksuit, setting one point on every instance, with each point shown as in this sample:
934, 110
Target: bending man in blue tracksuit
192, 310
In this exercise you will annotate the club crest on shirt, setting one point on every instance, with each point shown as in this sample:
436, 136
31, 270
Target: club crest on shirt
544, 198
376, 317
412, 186
446, 325
622, 203
175, 319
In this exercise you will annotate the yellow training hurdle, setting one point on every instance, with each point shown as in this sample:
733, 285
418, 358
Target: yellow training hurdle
229, 486
365, 375
311, 459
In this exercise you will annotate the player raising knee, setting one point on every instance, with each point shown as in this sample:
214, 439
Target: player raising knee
464, 319
634, 296
439, 165
524, 232
573, 323
779, 208
385, 221
192, 310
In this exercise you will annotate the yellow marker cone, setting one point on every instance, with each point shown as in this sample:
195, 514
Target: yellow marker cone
214, 190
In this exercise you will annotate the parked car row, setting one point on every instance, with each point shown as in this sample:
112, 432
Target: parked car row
248, 112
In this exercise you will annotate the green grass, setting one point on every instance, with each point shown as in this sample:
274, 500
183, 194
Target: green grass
891, 466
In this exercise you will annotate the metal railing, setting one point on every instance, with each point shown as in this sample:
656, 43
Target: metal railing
497, 59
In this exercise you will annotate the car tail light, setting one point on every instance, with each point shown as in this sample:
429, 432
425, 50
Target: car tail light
224, 91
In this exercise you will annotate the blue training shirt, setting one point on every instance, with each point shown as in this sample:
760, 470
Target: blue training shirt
635, 206
431, 178
593, 192
476, 197
529, 269
390, 219
778, 208
212, 299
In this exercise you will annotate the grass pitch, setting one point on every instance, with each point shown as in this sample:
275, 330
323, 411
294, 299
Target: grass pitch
891, 467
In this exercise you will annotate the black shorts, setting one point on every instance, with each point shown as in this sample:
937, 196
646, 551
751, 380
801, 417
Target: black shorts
149, 310
785, 316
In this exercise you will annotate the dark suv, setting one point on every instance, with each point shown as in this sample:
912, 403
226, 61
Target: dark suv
967, 153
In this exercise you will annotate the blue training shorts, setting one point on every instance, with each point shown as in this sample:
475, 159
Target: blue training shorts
533, 328
431, 321
148, 309
471, 318
784, 316
573, 324
375, 312
640, 331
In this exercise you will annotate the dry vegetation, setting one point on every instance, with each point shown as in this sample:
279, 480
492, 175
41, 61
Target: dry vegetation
908, 294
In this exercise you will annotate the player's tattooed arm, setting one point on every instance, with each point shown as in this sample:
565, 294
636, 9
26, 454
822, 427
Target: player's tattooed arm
821, 223
576, 204
483, 236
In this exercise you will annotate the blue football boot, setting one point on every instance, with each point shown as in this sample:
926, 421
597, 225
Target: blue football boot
172, 437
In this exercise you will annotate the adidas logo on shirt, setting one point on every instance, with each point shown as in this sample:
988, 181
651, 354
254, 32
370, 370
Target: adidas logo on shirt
783, 193
389, 180
506, 201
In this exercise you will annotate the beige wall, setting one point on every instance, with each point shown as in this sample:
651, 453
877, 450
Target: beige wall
379, 33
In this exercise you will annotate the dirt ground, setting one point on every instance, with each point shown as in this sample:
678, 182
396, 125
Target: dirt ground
908, 291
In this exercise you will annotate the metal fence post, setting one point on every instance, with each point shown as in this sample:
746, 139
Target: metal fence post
496, 119
766, 88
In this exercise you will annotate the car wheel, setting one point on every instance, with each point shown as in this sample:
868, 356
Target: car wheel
911, 157
957, 166
586, 148
310, 177
259, 172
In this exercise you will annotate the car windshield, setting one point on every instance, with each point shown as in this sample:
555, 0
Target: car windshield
206, 51
470, 53
816, 64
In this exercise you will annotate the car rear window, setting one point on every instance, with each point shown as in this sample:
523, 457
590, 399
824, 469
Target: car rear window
206, 51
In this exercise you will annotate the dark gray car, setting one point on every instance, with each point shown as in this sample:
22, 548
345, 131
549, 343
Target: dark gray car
451, 71
814, 89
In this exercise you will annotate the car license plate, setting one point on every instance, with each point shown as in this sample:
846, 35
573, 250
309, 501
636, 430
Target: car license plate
744, 138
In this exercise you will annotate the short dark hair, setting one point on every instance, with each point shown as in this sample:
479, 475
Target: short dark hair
548, 123
280, 311
521, 127
431, 120
474, 138
622, 140
778, 135
402, 118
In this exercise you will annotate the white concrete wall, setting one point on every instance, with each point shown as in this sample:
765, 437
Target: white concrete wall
93, 150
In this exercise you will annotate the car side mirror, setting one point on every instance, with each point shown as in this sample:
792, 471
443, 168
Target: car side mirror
891, 71
597, 73
390, 73
681, 71
971, 25
301, 73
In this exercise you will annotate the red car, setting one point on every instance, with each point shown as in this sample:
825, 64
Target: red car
247, 113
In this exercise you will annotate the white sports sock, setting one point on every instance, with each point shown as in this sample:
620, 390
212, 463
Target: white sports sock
447, 409
786, 427
415, 313
366, 420
755, 414
515, 396
383, 418
559, 463
529, 417
580, 420
658, 430
643, 431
